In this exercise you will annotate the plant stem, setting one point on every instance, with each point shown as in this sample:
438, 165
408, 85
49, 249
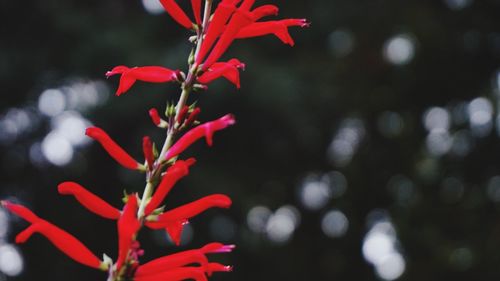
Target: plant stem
173, 130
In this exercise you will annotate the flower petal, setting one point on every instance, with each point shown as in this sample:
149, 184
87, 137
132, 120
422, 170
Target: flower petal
176, 13
228, 70
278, 28
152, 74
181, 273
21, 211
196, 5
241, 18
189, 210
221, 15
147, 149
205, 130
128, 225
194, 256
172, 261
89, 200
177, 171
113, 149
64, 241
264, 11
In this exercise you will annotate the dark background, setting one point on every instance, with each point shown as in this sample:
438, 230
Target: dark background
383, 116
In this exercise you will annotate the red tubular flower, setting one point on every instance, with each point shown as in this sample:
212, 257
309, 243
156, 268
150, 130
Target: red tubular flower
155, 117
174, 220
207, 130
89, 200
228, 70
221, 15
213, 267
196, 5
264, 11
113, 149
64, 241
177, 13
20, 211
195, 256
147, 148
182, 114
192, 116
187, 272
128, 224
177, 171
278, 28
181, 273
190, 210
241, 18
153, 74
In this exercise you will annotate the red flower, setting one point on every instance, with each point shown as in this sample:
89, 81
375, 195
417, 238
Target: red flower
278, 28
192, 116
221, 15
21, 211
196, 5
241, 18
89, 200
195, 256
153, 74
172, 221
128, 224
205, 130
184, 273
182, 114
113, 149
177, 171
155, 117
242, 24
192, 209
264, 11
147, 148
228, 70
64, 241
177, 13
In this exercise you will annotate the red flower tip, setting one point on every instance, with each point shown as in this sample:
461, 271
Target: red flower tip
228, 70
213, 266
113, 149
205, 130
24, 235
192, 116
176, 13
155, 117
174, 230
89, 200
117, 70
182, 114
147, 148
214, 248
20, 211
263, 11
196, 5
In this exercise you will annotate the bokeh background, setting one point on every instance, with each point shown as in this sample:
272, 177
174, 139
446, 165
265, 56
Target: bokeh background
369, 151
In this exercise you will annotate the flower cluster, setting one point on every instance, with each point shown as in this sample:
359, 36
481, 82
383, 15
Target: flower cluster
214, 33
